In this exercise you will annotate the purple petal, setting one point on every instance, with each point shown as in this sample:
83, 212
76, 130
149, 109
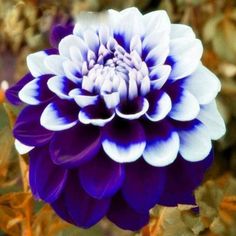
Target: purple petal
123, 140
75, 146
36, 91
143, 185
77, 206
101, 177
133, 109
59, 32
60, 115
27, 128
124, 216
12, 92
46, 179
183, 177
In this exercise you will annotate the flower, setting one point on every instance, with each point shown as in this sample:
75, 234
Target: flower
119, 118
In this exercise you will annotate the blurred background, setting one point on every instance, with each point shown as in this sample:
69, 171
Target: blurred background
25, 27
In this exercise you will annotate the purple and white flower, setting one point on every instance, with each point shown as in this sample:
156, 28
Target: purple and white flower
119, 118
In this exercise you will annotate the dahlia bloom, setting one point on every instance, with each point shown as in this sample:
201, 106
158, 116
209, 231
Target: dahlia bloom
118, 118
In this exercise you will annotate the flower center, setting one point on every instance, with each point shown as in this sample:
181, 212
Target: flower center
115, 70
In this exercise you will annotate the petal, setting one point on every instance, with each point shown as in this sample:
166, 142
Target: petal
97, 114
75, 146
186, 54
134, 109
101, 177
121, 214
212, 119
12, 92
181, 31
61, 86
58, 32
82, 209
123, 140
184, 105
112, 99
159, 76
67, 42
203, 84
159, 105
49, 183
143, 185
36, 91
35, 63
54, 64
162, 144
91, 39
83, 98
22, 148
195, 143
72, 71
126, 24
179, 188
27, 128
156, 20
59, 115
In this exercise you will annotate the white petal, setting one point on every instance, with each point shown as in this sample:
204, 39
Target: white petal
22, 148
35, 63
212, 119
72, 71
162, 152
156, 20
159, 76
85, 119
187, 108
70, 41
54, 63
181, 31
57, 84
160, 109
51, 119
111, 100
186, 54
81, 99
195, 143
134, 116
203, 84
91, 39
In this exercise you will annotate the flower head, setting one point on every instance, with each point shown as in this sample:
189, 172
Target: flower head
119, 118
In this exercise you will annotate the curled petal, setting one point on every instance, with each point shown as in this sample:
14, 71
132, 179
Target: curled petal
97, 115
133, 109
22, 148
83, 98
123, 140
